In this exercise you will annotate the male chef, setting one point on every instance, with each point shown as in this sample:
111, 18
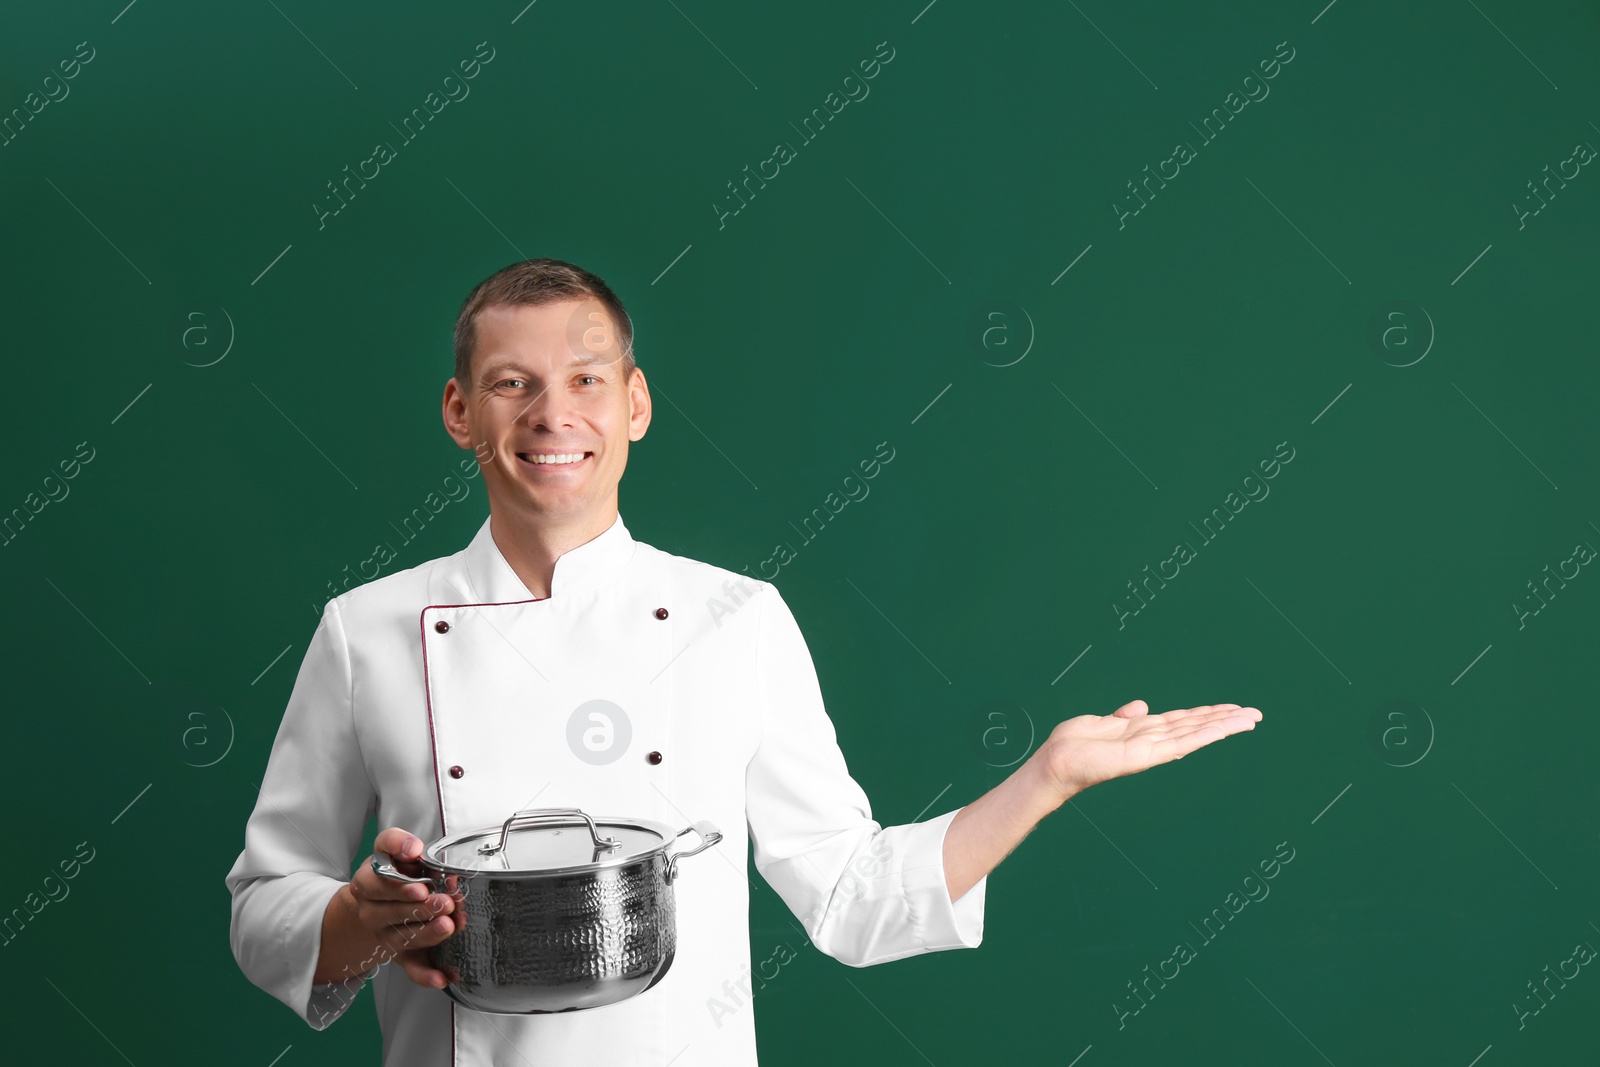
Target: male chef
444, 698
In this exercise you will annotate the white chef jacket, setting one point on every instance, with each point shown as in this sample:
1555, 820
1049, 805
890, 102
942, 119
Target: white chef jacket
439, 698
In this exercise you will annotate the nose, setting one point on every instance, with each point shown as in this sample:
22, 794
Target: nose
548, 409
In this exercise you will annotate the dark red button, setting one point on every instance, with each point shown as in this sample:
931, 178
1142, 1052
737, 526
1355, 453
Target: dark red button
654, 757
456, 771
661, 613
441, 627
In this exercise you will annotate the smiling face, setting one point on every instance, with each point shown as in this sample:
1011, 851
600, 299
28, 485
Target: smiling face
549, 412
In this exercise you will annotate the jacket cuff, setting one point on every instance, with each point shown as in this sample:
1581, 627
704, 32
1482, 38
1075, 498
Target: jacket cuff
940, 923
300, 944
327, 1002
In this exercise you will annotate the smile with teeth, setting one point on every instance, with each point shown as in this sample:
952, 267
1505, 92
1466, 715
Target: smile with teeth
552, 458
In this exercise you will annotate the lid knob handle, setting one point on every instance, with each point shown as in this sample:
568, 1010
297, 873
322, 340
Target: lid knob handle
527, 815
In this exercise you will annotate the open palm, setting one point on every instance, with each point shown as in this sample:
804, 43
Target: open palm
1088, 749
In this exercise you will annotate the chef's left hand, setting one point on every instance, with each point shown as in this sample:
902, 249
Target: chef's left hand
1088, 749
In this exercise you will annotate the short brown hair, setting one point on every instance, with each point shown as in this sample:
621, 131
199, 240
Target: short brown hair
531, 283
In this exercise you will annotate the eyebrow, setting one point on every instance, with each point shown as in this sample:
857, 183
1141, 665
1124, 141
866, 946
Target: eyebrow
582, 359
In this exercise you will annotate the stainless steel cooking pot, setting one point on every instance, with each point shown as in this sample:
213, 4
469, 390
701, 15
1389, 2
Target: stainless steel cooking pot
555, 910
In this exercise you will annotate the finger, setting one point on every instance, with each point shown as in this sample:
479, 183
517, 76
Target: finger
1200, 709
1208, 711
376, 916
1133, 709
411, 936
1212, 714
1172, 723
400, 844
417, 969
370, 885
1181, 742
1245, 717
1230, 722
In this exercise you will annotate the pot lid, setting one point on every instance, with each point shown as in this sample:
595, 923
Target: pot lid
550, 841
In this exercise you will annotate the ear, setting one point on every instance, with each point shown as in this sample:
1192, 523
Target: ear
638, 405
455, 414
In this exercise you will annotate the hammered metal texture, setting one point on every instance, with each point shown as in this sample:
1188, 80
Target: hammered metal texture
560, 943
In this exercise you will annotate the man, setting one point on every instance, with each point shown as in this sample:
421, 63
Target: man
446, 697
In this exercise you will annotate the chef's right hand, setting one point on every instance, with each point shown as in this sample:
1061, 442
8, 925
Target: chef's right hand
405, 918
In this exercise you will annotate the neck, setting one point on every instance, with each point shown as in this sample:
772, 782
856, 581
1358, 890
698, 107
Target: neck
531, 544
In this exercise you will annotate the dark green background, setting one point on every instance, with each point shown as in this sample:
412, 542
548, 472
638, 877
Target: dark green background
822, 320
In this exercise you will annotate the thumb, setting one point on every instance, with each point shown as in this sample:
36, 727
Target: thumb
1132, 710
399, 843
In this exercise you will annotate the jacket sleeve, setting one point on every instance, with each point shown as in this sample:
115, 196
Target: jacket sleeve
308, 821
865, 894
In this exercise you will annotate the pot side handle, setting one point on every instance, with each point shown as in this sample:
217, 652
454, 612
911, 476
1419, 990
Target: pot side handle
709, 835
383, 866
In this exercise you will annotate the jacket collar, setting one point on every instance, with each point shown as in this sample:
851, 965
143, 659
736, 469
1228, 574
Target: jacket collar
490, 579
